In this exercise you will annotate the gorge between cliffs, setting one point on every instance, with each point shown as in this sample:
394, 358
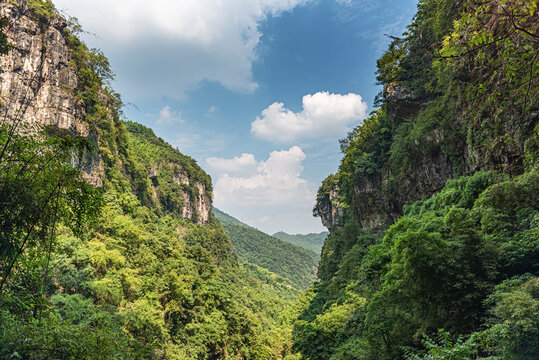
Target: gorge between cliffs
116, 244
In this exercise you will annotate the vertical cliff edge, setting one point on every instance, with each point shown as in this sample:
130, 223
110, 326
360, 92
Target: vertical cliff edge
47, 76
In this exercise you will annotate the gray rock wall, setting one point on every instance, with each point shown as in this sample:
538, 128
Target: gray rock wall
38, 82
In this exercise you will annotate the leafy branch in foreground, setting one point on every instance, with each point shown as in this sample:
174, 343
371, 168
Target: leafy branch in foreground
445, 347
41, 184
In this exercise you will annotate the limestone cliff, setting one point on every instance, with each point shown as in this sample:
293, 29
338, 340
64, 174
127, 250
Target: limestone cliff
195, 200
331, 212
415, 165
37, 79
377, 196
328, 204
40, 81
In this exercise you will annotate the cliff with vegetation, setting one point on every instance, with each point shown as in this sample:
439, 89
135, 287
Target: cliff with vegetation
434, 210
109, 248
58, 83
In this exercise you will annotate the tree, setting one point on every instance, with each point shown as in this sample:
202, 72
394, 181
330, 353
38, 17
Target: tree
41, 185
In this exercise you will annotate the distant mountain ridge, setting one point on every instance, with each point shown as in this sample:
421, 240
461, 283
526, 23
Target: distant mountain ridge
312, 241
224, 218
290, 261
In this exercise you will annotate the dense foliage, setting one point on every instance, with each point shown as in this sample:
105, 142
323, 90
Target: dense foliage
438, 260
425, 267
438, 266
313, 242
135, 275
289, 261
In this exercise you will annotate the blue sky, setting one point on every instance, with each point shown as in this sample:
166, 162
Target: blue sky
257, 91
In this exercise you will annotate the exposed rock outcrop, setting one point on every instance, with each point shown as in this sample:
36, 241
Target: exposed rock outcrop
195, 199
39, 82
378, 202
37, 79
372, 206
402, 101
378, 196
328, 204
331, 211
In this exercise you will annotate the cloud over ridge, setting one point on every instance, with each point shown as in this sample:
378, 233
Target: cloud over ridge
205, 40
243, 181
323, 115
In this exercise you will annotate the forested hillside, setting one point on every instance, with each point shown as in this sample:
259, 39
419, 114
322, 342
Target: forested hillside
282, 258
313, 242
109, 249
224, 218
434, 212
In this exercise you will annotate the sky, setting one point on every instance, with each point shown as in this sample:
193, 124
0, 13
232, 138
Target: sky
258, 92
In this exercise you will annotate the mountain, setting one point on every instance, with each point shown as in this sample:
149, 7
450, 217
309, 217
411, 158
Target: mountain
313, 242
433, 214
109, 248
282, 258
227, 219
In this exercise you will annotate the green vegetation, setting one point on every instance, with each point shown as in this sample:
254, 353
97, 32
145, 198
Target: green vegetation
4, 44
438, 261
226, 219
313, 242
164, 172
448, 269
41, 10
437, 267
282, 258
119, 272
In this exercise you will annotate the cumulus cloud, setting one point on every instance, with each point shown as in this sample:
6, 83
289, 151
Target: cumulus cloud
270, 194
274, 181
323, 115
168, 47
245, 165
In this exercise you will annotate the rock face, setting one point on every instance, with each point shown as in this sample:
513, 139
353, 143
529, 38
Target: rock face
331, 211
376, 205
328, 204
37, 72
195, 199
38, 82
377, 199
196, 204
402, 102
372, 207
201, 205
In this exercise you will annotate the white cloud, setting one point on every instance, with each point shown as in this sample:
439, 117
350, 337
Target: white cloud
245, 165
203, 40
274, 181
323, 115
270, 194
168, 116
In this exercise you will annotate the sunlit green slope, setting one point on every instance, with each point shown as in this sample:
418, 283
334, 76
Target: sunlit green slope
313, 242
289, 261
436, 254
155, 276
